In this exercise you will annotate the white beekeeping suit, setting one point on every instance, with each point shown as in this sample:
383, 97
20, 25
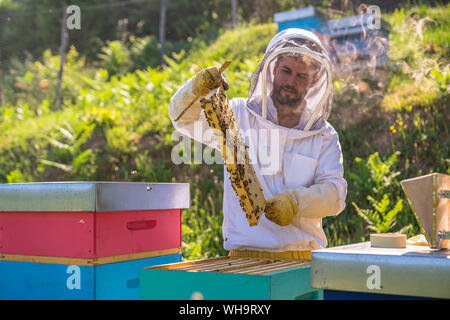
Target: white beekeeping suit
303, 161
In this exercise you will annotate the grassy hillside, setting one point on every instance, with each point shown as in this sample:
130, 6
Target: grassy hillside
114, 124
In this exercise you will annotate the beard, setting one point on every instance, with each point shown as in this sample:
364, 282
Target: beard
279, 97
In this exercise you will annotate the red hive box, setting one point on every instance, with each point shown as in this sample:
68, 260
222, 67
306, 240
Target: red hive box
90, 219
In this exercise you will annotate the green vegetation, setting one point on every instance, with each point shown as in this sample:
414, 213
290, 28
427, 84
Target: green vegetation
114, 124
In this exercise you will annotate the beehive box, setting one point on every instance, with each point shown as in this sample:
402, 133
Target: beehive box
355, 44
75, 279
227, 278
309, 18
95, 227
360, 271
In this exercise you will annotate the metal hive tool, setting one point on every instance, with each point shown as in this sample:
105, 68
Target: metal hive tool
429, 198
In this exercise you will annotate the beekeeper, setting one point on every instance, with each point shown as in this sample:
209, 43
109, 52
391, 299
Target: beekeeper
290, 95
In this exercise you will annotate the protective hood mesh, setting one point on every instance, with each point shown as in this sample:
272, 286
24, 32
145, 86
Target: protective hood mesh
297, 42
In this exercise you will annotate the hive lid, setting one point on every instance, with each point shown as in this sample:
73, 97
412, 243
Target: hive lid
93, 196
429, 206
298, 14
355, 24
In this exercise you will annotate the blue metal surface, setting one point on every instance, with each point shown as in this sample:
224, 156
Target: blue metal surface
351, 295
42, 281
121, 280
310, 23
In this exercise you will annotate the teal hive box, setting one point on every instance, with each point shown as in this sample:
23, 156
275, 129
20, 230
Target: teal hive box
229, 278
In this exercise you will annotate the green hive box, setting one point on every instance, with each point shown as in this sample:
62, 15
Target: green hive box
229, 278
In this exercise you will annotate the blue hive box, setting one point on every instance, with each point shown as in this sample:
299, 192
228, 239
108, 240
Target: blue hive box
308, 18
354, 43
25, 280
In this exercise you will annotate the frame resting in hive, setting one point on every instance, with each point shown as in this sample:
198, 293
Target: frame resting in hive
221, 119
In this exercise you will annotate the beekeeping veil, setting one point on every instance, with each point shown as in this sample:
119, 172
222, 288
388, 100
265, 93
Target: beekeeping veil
298, 43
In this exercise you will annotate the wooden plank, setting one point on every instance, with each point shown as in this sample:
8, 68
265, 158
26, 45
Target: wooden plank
207, 263
135, 256
216, 265
277, 269
173, 266
224, 269
269, 267
203, 267
292, 266
88, 262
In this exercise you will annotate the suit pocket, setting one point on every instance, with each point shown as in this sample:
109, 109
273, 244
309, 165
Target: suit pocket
300, 171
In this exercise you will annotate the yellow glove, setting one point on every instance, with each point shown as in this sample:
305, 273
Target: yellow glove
281, 209
207, 80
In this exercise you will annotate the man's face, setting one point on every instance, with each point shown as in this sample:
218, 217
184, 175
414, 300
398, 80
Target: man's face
292, 80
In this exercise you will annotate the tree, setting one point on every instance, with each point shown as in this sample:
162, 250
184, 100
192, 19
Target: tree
64, 37
234, 12
162, 30
2, 97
